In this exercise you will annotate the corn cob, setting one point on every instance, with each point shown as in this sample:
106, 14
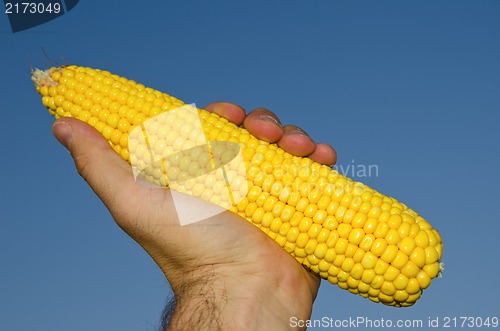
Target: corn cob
342, 230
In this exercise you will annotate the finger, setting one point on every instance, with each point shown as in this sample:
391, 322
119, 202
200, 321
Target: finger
101, 167
264, 125
296, 141
324, 154
230, 111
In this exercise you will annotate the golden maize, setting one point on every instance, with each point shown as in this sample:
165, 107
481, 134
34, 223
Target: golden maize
342, 230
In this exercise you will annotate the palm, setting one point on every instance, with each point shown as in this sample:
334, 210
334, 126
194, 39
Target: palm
226, 241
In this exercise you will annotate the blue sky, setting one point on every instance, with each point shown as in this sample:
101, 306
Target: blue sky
410, 86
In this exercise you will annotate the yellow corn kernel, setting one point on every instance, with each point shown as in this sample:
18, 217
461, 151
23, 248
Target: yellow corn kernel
332, 239
412, 298
387, 289
276, 225
367, 242
401, 296
356, 235
359, 220
344, 231
350, 250
407, 245
432, 270
379, 246
368, 276
330, 255
323, 235
302, 240
341, 245
380, 267
363, 288
370, 225
422, 239
330, 223
369, 261
390, 253
392, 237
413, 286
313, 260
431, 255
399, 260
357, 271
311, 247
418, 256
424, 280
323, 266
352, 284
410, 269
377, 282
339, 259
347, 264
320, 250
391, 273
400, 282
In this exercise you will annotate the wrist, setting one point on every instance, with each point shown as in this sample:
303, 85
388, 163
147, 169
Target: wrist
209, 299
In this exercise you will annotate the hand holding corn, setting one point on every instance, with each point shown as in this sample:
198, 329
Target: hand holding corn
345, 232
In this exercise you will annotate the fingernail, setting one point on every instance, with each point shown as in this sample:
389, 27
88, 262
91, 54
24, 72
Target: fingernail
63, 133
270, 118
298, 131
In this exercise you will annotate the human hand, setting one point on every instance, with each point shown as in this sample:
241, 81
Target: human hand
224, 272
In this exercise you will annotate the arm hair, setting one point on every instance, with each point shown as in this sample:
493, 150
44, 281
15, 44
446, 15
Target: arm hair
195, 305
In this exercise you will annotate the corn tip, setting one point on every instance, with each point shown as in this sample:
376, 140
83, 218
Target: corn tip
43, 77
441, 269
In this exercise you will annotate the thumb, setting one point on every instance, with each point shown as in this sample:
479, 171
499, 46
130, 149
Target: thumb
101, 167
